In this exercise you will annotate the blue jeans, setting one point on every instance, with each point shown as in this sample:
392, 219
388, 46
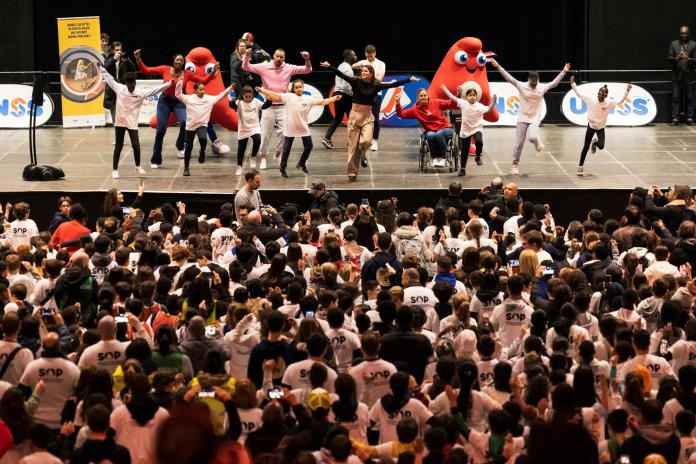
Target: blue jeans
211, 133
437, 141
165, 106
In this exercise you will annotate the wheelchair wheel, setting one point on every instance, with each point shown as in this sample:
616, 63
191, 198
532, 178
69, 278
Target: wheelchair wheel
454, 151
423, 155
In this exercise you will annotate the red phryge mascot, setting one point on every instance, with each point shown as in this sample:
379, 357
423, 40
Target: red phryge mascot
464, 62
201, 61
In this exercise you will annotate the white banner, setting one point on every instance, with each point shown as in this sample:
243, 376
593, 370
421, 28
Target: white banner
508, 104
15, 104
638, 109
149, 108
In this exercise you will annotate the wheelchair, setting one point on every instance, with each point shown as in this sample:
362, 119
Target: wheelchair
451, 155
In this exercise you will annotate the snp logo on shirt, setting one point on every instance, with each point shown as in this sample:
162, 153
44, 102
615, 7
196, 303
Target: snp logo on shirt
515, 317
422, 299
379, 375
109, 356
399, 414
339, 340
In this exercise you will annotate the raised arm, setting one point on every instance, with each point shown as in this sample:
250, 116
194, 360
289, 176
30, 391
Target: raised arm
491, 105
449, 94
402, 113
574, 86
246, 65
108, 78
159, 89
269, 94
226, 92
558, 78
178, 90
188, 75
399, 83
504, 73
326, 101
628, 89
146, 69
306, 69
350, 79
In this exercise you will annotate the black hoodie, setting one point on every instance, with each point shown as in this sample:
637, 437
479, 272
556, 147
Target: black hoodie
101, 450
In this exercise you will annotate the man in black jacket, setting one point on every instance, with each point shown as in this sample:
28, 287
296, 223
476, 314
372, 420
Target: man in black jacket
266, 231
118, 65
454, 199
500, 209
671, 208
100, 447
324, 200
652, 436
682, 57
383, 267
405, 346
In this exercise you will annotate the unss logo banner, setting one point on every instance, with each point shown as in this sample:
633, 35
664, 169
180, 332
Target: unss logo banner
409, 96
638, 109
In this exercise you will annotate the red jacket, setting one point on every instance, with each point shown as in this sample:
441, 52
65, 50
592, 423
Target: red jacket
430, 116
69, 231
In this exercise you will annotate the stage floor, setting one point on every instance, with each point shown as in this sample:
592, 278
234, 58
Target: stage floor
634, 156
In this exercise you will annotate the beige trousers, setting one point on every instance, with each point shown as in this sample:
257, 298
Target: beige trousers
360, 125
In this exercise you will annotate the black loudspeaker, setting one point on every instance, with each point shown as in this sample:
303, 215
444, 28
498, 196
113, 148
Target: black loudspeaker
42, 172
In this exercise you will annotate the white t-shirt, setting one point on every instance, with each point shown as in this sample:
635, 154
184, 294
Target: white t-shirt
248, 114
484, 226
101, 273
251, 421
297, 114
420, 296
656, 365
457, 325
198, 109
41, 290
344, 344
387, 422
19, 363
508, 318
481, 405
297, 376
140, 440
683, 353
222, 239
357, 428
485, 370
472, 117
453, 244
106, 354
40, 457
60, 377
21, 232
379, 371
485, 307
378, 65
597, 112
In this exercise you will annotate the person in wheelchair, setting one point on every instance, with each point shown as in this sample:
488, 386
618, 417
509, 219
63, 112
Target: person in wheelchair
472, 123
429, 113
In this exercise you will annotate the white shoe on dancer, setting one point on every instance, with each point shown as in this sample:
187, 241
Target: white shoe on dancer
514, 170
538, 146
140, 171
114, 174
262, 166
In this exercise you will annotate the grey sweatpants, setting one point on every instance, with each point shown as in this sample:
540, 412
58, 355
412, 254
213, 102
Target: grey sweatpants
524, 130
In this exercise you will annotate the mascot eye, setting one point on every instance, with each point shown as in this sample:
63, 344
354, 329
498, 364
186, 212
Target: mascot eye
481, 59
209, 68
461, 57
190, 67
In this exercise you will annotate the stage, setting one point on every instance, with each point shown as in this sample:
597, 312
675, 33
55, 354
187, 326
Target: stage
634, 156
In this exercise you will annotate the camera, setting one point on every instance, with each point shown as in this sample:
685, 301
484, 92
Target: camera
46, 312
309, 314
206, 394
121, 318
210, 331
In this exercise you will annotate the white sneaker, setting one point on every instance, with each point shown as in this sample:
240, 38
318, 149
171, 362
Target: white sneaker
538, 145
276, 157
140, 170
252, 162
114, 174
180, 154
514, 170
262, 166
374, 146
580, 171
154, 166
238, 172
219, 148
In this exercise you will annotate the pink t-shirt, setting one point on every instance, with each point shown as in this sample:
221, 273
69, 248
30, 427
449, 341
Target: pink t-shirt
297, 114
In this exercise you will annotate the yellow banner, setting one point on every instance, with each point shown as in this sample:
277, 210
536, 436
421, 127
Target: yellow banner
81, 84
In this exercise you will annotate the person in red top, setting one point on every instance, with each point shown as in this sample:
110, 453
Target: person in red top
168, 103
429, 113
71, 230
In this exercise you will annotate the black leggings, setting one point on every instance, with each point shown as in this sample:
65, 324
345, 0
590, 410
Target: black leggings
376, 105
306, 150
464, 148
342, 108
589, 134
135, 143
202, 134
241, 147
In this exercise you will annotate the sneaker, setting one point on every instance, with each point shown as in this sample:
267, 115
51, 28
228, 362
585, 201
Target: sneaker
263, 163
363, 162
479, 162
462, 173
283, 173
690, 122
154, 166
201, 157
436, 162
538, 146
276, 157
327, 143
187, 173
514, 170
302, 167
180, 154
674, 122
219, 148
593, 146
374, 146
114, 174
252, 163
580, 171
238, 172
140, 171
